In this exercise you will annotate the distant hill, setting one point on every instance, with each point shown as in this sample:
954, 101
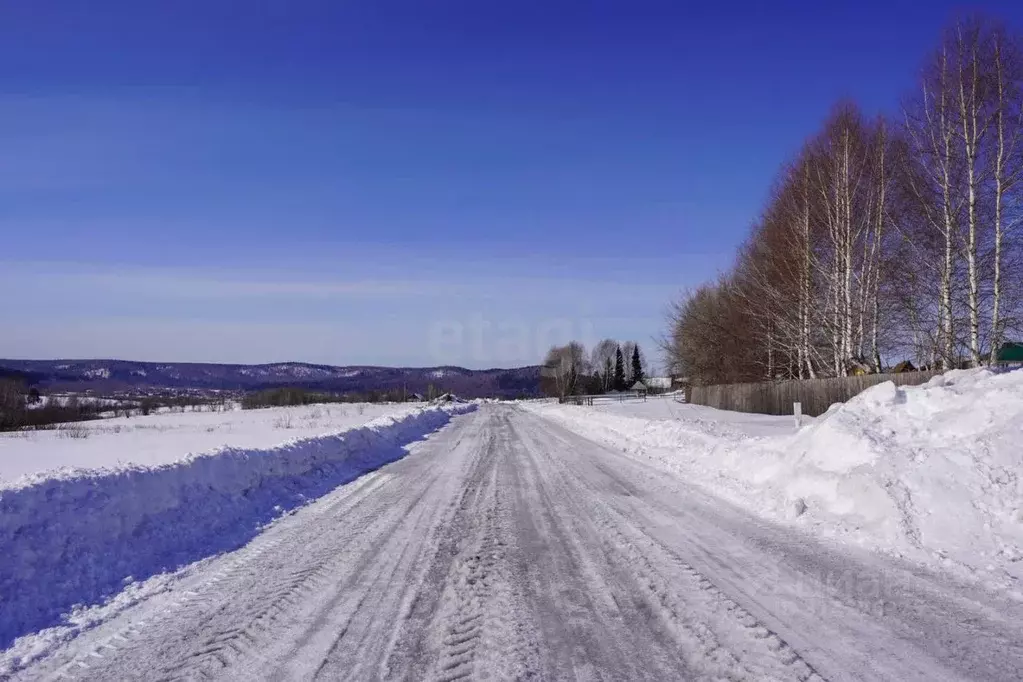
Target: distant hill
108, 376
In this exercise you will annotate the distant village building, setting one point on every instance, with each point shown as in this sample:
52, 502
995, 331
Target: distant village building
858, 368
1011, 353
902, 367
658, 383
447, 398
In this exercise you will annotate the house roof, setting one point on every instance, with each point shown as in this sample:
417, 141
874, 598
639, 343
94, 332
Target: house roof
1011, 351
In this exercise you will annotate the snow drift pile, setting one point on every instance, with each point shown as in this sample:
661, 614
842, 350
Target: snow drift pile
928, 472
165, 437
88, 532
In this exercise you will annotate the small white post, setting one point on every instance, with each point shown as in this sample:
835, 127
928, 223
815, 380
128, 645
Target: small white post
797, 411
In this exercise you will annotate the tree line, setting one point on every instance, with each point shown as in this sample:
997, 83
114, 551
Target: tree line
569, 370
883, 239
23, 408
289, 396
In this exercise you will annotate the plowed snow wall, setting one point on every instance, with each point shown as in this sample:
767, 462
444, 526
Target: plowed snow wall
77, 538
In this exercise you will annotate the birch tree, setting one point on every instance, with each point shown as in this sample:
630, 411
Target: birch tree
1007, 59
974, 122
931, 175
602, 360
563, 370
881, 238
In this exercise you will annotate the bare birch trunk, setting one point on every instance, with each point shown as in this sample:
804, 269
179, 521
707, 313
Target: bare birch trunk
972, 133
805, 283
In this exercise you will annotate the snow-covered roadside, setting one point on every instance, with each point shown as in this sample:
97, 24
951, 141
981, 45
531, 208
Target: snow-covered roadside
932, 472
167, 437
709, 420
75, 536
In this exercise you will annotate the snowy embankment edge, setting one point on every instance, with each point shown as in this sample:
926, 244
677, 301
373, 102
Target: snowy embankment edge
80, 537
739, 469
927, 473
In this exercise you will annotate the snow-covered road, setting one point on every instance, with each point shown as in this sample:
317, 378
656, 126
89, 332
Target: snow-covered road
506, 547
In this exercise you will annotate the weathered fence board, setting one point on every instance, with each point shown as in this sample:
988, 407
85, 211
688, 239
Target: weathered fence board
603, 397
776, 397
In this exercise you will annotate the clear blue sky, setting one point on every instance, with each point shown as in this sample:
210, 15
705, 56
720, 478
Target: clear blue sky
414, 183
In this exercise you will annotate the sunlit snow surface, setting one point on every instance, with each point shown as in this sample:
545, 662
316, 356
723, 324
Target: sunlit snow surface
167, 490
931, 472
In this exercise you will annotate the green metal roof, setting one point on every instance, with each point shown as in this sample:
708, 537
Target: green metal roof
1010, 352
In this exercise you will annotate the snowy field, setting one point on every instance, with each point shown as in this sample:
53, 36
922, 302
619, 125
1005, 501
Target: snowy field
165, 438
931, 473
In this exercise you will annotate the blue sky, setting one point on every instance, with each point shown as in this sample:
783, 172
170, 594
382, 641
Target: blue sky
409, 183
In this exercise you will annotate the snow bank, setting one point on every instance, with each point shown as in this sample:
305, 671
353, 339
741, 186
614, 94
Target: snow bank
672, 408
78, 536
931, 472
937, 467
167, 437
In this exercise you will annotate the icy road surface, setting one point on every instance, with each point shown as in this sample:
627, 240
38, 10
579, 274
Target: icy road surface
506, 547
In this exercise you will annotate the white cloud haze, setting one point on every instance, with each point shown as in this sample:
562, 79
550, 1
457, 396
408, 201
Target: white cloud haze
177, 314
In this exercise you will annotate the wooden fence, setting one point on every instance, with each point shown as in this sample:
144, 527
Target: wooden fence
776, 397
603, 397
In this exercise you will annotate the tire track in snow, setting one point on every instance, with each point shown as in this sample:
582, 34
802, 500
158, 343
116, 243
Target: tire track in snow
355, 627
473, 574
409, 649
463, 605
200, 602
452, 617
195, 598
682, 589
244, 640
665, 574
379, 620
716, 636
585, 600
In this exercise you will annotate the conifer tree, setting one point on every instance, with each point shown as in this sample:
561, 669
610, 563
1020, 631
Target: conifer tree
637, 365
